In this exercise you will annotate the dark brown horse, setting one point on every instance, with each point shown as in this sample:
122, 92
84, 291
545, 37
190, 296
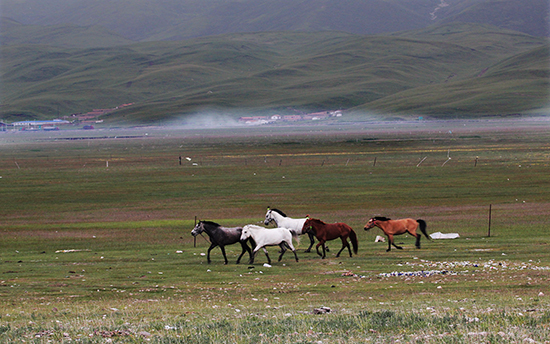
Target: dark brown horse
330, 231
395, 227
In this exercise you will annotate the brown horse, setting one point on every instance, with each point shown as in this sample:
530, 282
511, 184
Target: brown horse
395, 227
330, 231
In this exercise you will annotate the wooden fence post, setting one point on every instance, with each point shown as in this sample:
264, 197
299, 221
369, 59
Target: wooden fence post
490, 211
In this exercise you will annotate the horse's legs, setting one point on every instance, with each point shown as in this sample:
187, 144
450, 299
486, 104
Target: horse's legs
223, 252
253, 256
268, 259
249, 249
311, 240
245, 248
349, 247
208, 254
417, 244
295, 255
317, 248
291, 247
390, 242
344, 244
283, 250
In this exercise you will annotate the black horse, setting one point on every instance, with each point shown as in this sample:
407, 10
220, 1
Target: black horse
222, 236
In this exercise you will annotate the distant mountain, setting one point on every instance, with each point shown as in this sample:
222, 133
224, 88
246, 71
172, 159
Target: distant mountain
441, 71
531, 16
66, 35
143, 20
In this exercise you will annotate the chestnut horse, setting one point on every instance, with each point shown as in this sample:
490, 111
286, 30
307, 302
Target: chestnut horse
395, 227
330, 231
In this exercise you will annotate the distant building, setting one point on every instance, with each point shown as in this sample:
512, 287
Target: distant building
39, 125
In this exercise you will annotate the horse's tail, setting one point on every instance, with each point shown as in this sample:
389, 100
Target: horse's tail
354, 242
295, 234
422, 224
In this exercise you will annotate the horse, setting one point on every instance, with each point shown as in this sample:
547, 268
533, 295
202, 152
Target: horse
396, 227
281, 220
269, 237
222, 236
330, 231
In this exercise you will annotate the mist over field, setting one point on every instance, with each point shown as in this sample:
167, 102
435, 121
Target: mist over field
206, 119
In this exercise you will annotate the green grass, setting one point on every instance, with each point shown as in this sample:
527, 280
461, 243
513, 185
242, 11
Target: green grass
90, 252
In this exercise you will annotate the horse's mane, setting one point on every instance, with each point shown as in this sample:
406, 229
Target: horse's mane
317, 220
211, 223
280, 212
381, 218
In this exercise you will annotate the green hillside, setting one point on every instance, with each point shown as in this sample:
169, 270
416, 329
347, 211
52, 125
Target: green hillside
457, 70
512, 86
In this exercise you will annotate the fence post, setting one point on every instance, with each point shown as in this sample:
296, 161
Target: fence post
490, 211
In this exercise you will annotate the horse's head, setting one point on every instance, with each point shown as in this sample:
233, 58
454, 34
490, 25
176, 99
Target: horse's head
199, 228
308, 226
370, 224
268, 216
245, 234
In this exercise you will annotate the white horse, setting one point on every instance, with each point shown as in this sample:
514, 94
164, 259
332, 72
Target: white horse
281, 220
269, 237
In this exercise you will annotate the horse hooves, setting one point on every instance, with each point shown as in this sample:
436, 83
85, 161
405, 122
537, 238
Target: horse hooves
307, 251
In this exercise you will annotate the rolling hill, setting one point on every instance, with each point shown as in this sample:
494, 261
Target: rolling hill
452, 70
172, 58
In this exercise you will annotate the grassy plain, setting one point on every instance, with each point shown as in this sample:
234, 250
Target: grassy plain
95, 241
